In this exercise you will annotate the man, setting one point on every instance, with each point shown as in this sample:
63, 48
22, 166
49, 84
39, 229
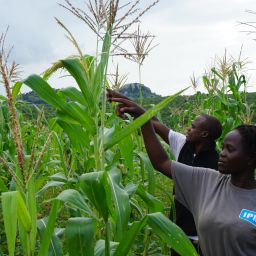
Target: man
197, 148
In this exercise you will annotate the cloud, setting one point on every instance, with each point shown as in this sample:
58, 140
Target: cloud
190, 33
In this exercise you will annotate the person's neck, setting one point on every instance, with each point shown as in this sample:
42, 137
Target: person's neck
246, 180
203, 146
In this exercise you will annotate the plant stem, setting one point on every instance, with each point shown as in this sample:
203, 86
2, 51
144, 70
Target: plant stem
107, 239
147, 242
140, 89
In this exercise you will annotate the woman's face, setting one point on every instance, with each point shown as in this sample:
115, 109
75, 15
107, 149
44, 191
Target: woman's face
233, 157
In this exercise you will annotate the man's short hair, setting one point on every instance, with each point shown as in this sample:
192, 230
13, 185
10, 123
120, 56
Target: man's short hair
213, 126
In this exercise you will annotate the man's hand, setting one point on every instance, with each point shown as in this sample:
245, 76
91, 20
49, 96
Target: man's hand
115, 94
127, 106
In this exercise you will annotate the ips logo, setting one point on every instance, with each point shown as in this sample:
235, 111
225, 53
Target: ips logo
248, 216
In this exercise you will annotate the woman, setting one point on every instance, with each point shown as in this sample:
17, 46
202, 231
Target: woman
223, 203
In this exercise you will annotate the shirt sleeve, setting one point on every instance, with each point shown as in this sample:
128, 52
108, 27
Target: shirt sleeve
190, 184
176, 142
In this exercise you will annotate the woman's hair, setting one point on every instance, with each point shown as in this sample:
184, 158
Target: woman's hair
248, 133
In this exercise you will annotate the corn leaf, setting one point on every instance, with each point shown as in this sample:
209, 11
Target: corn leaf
2, 121
78, 137
16, 89
99, 249
79, 236
55, 248
120, 199
56, 66
73, 94
126, 149
3, 187
74, 199
151, 172
154, 204
92, 185
77, 71
31, 202
112, 139
45, 91
47, 236
72, 109
171, 234
10, 216
23, 214
126, 244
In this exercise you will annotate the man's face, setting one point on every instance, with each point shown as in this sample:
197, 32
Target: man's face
196, 132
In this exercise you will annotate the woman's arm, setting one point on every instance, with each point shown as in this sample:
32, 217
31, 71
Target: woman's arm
156, 153
160, 129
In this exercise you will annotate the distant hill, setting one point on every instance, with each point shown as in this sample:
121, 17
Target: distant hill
133, 91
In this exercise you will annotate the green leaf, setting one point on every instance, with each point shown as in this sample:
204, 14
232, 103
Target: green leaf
72, 109
75, 199
3, 187
126, 149
56, 66
3, 98
99, 249
23, 214
77, 135
49, 184
92, 185
77, 71
151, 172
45, 91
101, 68
120, 199
10, 216
31, 203
126, 244
153, 203
171, 234
47, 236
113, 139
73, 94
55, 248
16, 89
79, 236
2, 121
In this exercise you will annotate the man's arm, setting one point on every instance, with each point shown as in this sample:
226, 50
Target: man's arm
161, 129
156, 153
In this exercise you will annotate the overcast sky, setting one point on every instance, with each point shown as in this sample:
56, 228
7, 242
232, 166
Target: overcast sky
190, 33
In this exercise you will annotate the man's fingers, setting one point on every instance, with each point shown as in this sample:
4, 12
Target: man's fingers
121, 100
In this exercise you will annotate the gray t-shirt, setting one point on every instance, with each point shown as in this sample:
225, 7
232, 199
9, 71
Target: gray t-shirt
225, 215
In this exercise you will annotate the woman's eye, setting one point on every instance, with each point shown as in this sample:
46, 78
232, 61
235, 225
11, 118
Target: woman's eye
230, 149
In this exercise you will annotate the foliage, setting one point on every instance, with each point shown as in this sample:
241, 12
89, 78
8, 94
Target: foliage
78, 181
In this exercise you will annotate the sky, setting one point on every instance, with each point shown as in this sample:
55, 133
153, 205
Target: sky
189, 36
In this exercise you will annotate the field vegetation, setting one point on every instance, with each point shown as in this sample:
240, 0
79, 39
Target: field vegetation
74, 178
